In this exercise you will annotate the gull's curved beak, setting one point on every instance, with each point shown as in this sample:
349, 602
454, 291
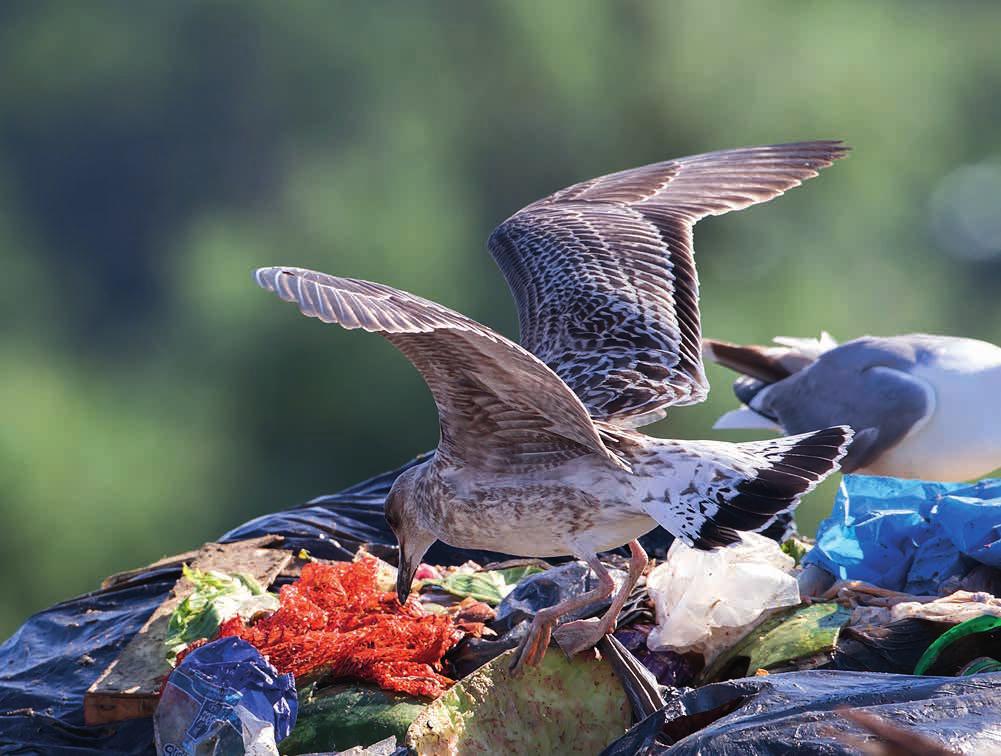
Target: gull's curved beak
413, 547
405, 575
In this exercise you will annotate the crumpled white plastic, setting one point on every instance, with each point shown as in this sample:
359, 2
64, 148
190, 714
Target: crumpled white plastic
702, 595
258, 735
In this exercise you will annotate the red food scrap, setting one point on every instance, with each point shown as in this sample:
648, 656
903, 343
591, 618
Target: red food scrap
336, 622
427, 572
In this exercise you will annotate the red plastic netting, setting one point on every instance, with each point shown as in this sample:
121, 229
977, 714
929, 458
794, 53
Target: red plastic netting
336, 622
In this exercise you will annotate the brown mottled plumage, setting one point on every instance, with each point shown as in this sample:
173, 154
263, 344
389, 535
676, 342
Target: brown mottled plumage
536, 456
604, 273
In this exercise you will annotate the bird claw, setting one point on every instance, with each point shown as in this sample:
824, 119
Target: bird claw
580, 635
532, 648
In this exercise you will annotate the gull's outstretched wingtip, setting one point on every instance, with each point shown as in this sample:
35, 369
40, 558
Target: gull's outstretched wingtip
260, 276
821, 152
839, 148
829, 149
265, 277
268, 278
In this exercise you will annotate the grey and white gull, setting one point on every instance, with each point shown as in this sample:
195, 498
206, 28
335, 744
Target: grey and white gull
538, 455
922, 406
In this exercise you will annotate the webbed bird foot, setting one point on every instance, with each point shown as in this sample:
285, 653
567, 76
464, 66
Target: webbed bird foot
533, 647
580, 635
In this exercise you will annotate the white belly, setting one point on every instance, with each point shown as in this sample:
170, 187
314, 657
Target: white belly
578, 509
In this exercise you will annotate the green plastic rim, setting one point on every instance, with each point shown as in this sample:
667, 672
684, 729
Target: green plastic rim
982, 624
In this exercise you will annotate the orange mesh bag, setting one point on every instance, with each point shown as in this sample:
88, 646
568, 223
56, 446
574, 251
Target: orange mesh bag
336, 622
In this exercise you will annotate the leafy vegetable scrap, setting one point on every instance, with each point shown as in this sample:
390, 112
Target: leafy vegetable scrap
490, 586
803, 637
217, 597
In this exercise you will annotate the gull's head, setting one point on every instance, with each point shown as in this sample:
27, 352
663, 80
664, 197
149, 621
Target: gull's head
403, 513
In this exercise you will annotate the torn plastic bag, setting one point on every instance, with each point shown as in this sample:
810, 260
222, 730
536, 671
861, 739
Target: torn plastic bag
797, 712
971, 517
48, 664
544, 589
909, 535
705, 600
224, 698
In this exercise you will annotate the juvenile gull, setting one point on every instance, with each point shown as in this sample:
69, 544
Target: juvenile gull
537, 455
922, 406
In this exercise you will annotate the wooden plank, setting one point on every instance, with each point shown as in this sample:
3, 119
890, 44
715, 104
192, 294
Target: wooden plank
130, 686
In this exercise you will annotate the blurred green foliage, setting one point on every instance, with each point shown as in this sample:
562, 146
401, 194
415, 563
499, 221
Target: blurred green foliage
153, 154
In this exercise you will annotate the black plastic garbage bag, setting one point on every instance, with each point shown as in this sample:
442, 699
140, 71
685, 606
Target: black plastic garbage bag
895, 648
48, 664
797, 712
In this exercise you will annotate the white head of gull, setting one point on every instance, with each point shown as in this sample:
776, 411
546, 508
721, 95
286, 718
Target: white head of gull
538, 454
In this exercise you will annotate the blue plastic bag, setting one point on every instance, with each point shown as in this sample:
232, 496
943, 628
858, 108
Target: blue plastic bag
220, 698
909, 535
972, 521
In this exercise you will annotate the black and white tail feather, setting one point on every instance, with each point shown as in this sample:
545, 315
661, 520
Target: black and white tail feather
792, 467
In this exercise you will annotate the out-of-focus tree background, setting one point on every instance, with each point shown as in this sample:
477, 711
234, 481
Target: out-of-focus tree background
153, 154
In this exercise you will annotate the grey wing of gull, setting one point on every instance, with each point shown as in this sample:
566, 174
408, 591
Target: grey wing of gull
499, 407
604, 276
864, 383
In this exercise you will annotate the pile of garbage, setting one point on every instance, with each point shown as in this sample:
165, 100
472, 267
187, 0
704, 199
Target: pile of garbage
886, 630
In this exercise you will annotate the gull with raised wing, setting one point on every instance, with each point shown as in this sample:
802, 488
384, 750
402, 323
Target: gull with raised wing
538, 455
923, 406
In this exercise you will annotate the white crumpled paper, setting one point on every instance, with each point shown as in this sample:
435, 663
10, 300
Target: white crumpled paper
705, 597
